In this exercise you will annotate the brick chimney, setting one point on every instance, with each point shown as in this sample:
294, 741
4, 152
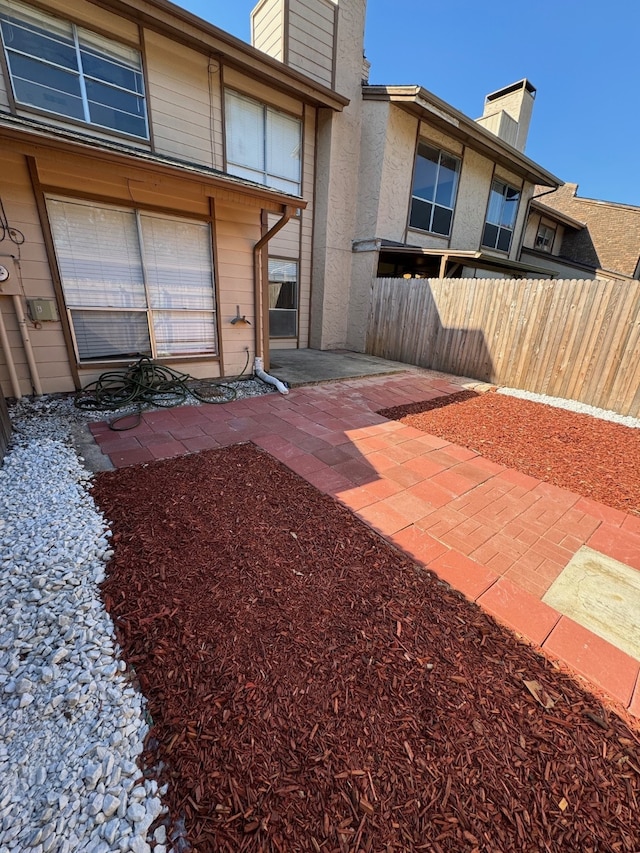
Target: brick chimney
507, 113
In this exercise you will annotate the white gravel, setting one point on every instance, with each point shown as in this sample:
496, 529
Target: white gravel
573, 406
72, 724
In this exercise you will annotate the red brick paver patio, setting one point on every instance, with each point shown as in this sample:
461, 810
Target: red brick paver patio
498, 536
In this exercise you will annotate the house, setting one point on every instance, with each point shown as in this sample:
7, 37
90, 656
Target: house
172, 191
578, 237
158, 185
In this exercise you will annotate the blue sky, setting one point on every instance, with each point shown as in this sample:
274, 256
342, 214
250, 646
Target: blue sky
581, 55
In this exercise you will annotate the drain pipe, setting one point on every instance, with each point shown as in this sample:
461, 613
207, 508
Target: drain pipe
259, 299
26, 342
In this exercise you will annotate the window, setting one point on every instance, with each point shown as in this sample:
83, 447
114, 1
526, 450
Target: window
545, 237
283, 298
263, 144
501, 216
134, 283
69, 71
434, 190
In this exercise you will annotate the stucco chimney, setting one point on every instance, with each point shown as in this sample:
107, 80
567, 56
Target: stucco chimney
507, 113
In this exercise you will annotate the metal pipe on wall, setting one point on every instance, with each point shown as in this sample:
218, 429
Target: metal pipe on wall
26, 342
6, 348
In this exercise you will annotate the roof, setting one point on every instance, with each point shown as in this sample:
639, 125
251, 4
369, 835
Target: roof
558, 215
186, 28
25, 129
470, 257
428, 107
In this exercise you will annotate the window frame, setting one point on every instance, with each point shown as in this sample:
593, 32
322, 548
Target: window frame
263, 175
153, 313
424, 143
500, 226
294, 261
83, 43
544, 243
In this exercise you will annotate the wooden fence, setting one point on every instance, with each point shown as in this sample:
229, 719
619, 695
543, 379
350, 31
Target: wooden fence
577, 339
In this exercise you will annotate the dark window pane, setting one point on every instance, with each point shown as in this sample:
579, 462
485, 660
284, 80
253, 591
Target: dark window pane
38, 43
504, 239
111, 72
39, 72
124, 122
36, 95
442, 220
282, 294
282, 324
420, 214
490, 236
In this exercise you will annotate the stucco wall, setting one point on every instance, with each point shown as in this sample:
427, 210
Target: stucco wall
471, 204
337, 187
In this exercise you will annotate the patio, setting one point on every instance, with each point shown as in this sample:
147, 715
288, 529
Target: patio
496, 535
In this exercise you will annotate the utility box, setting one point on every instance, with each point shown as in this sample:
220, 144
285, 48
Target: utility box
42, 310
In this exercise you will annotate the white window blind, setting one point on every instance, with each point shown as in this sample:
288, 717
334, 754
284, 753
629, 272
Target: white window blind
98, 255
134, 283
263, 144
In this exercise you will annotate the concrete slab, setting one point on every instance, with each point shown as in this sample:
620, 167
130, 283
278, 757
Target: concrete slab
307, 366
601, 594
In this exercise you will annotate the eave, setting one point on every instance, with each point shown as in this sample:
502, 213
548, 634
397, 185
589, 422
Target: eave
426, 106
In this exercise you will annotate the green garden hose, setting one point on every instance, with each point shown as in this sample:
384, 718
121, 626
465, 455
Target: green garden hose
147, 384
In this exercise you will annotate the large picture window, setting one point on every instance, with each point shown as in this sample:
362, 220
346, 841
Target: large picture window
283, 298
435, 183
263, 144
69, 71
134, 283
501, 216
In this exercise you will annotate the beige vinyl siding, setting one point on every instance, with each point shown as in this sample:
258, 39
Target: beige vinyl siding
267, 24
31, 272
216, 92
254, 89
178, 100
286, 243
311, 31
236, 233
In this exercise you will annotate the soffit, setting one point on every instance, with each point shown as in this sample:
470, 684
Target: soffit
184, 27
429, 108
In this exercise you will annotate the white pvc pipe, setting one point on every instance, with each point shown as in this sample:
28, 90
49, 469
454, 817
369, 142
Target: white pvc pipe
259, 372
6, 348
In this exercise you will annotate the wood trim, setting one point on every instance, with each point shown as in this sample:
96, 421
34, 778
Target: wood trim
96, 198
223, 110
264, 286
413, 174
43, 216
286, 28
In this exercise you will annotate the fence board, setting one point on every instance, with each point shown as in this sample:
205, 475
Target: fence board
577, 339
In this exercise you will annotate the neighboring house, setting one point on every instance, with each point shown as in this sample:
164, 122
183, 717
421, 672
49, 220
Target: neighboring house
582, 237
163, 180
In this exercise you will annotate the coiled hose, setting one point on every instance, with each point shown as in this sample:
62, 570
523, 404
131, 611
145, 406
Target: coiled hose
147, 384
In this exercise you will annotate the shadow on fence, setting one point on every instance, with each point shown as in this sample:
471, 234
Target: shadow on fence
574, 339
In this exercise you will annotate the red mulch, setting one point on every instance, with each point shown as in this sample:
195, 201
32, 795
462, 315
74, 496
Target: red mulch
311, 689
589, 456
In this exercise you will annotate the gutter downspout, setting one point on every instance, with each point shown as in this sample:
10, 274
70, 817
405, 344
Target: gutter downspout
289, 212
